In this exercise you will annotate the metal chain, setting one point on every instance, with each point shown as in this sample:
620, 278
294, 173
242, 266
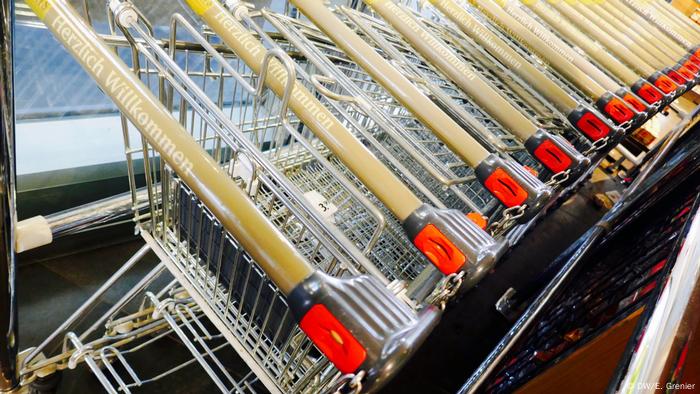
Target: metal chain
558, 178
597, 145
510, 215
353, 381
447, 289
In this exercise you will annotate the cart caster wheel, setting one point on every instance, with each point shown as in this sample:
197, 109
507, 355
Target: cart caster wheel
47, 384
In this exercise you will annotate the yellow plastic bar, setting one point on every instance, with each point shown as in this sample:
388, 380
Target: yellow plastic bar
600, 31
440, 55
229, 204
675, 15
556, 59
645, 29
403, 90
499, 49
370, 170
648, 46
550, 39
671, 25
580, 39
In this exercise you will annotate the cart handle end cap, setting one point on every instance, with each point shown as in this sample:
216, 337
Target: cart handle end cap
359, 325
453, 242
557, 154
513, 185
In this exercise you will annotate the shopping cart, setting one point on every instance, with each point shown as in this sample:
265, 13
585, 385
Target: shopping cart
254, 261
524, 190
567, 98
378, 108
563, 163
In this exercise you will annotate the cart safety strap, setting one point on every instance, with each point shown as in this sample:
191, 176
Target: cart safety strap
505, 188
634, 102
367, 167
439, 54
413, 99
333, 339
439, 250
551, 156
647, 92
499, 49
229, 204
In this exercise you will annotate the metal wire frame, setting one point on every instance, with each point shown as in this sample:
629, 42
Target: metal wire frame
571, 89
389, 43
391, 125
238, 294
530, 101
129, 327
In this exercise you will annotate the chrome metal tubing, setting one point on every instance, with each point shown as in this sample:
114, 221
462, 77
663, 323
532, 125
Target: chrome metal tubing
8, 302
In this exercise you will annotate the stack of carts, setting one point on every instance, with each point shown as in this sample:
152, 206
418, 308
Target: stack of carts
321, 179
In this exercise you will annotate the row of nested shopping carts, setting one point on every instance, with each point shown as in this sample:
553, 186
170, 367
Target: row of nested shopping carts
321, 179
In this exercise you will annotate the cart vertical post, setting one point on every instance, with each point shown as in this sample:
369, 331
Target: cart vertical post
8, 303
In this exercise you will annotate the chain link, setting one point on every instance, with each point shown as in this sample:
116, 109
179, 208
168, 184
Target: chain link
597, 145
510, 215
558, 178
353, 381
447, 289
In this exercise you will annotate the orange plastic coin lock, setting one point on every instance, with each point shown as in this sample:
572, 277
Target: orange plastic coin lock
636, 104
592, 126
505, 188
333, 339
618, 111
439, 250
665, 84
478, 219
675, 77
649, 94
551, 156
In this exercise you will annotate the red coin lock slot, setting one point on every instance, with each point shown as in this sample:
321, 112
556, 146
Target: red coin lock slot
592, 126
333, 339
636, 104
505, 188
551, 156
692, 67
665, 84
618, 111
675, 77
694, 59
439, 250
687, 74
649, 94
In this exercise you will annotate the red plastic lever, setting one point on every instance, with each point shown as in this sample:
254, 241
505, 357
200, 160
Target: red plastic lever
618, 111
333, 339
439, 250
505, 188
649, 94
692, 67
592, 126
551, 156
